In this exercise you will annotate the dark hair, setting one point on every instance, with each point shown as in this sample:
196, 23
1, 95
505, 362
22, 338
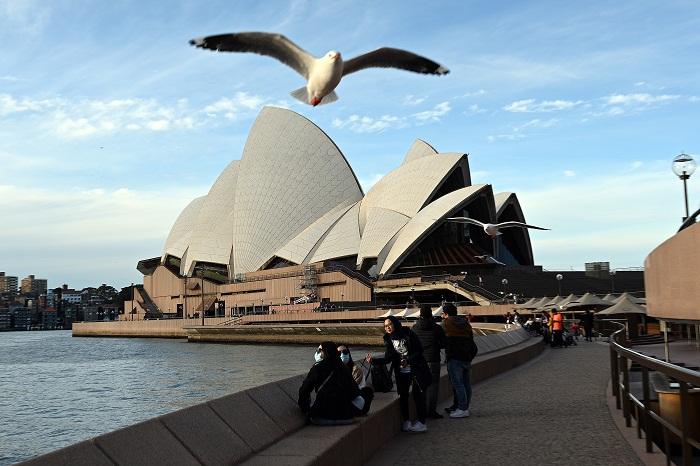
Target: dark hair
396, 323
426, 312
449, 309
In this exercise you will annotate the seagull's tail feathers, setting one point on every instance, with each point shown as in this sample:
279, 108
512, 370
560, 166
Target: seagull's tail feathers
301, 95
332, 97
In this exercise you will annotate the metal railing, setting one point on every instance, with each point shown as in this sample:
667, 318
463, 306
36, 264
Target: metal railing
620, 358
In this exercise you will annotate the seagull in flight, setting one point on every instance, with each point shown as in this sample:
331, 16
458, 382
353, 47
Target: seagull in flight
322, 74
492, 229
490, 260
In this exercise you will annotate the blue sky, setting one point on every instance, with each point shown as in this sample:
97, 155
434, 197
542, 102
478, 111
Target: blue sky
110, 123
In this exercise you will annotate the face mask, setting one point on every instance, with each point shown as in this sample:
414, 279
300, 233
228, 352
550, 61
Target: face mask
318, 356
345, 358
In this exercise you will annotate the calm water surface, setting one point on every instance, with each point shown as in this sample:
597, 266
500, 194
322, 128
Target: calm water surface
56, 390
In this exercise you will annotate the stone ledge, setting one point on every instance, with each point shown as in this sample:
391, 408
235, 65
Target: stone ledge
262, 425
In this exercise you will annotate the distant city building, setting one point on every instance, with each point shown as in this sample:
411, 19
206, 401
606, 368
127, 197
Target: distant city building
22, 318
69, 295
5, 318
8, 284
598, 269
49, 319
32, 284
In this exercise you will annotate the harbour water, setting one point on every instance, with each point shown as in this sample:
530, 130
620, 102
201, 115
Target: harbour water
56, 390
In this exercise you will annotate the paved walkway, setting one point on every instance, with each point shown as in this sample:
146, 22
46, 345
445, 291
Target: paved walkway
551, 411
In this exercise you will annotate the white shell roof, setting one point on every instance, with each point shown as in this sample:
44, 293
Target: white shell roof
212, 237
382, 225
426, 220
180, 233
407, 188
300, 247
341, 240
291, 174
419, 149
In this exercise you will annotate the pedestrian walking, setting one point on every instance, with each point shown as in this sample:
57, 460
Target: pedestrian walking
588, 324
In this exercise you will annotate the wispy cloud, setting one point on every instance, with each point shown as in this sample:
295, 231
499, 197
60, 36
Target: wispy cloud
84, 118
28, 16
365, 124
532, 106
639, 98
437, 112
569, 173
477, 93
413, 100
536, 123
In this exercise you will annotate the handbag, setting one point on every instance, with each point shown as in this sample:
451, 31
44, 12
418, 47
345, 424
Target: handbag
381, 378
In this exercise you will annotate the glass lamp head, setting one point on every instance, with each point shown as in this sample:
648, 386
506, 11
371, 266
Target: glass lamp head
683, 165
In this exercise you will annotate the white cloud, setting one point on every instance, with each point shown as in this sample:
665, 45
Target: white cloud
504, 137
474, 110
84, 118
365, 124
478, 93
536, 123
8, 78
636, 164
694, 98
569, 173
413, 100
640, 98
531, 105
440, 110
29, 16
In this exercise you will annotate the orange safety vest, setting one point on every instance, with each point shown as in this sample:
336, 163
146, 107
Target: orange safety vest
557, 322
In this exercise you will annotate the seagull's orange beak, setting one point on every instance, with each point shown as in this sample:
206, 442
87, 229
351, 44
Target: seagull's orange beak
315, 101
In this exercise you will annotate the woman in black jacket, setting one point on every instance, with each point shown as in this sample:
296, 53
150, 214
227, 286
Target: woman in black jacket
334, 386
403, 349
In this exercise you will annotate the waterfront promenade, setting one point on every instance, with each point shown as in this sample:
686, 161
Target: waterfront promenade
551, 410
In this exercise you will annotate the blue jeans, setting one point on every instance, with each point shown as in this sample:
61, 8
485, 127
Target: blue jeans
459, 372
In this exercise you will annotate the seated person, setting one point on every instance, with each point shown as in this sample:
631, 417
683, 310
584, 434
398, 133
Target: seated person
359, 374
334, 386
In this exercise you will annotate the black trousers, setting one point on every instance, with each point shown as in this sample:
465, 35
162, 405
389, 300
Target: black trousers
404, 383
434, 388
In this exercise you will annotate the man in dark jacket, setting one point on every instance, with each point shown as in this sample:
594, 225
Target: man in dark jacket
459, 353
432, 338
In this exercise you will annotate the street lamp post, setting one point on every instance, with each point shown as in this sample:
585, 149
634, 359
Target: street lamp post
201, 289
504, 282
455, 286
413, 299
342, 301
559, 278
684, 166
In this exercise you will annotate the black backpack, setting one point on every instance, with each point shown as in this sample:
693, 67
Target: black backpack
381, 378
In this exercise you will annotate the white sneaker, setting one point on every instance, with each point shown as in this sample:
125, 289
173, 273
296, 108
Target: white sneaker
407, 426
457, 413
419, 427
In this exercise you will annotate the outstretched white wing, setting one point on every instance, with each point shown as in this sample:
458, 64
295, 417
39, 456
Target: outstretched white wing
519, 225
465, 220
263, 43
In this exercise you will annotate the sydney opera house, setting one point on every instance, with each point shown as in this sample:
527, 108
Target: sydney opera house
289, 225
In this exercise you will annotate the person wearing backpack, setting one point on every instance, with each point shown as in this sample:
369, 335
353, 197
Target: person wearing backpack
335, 389
459, 352
432, 337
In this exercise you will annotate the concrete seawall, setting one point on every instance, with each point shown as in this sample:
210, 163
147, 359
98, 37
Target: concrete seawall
263, 425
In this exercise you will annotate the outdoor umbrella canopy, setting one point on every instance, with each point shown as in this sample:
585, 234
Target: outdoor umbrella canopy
629, 297
554, 301
624, 306
402, 313
590, 300
412, 314
388, 313
541, 302
437, 312
611, 297
530, 304
572, 298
